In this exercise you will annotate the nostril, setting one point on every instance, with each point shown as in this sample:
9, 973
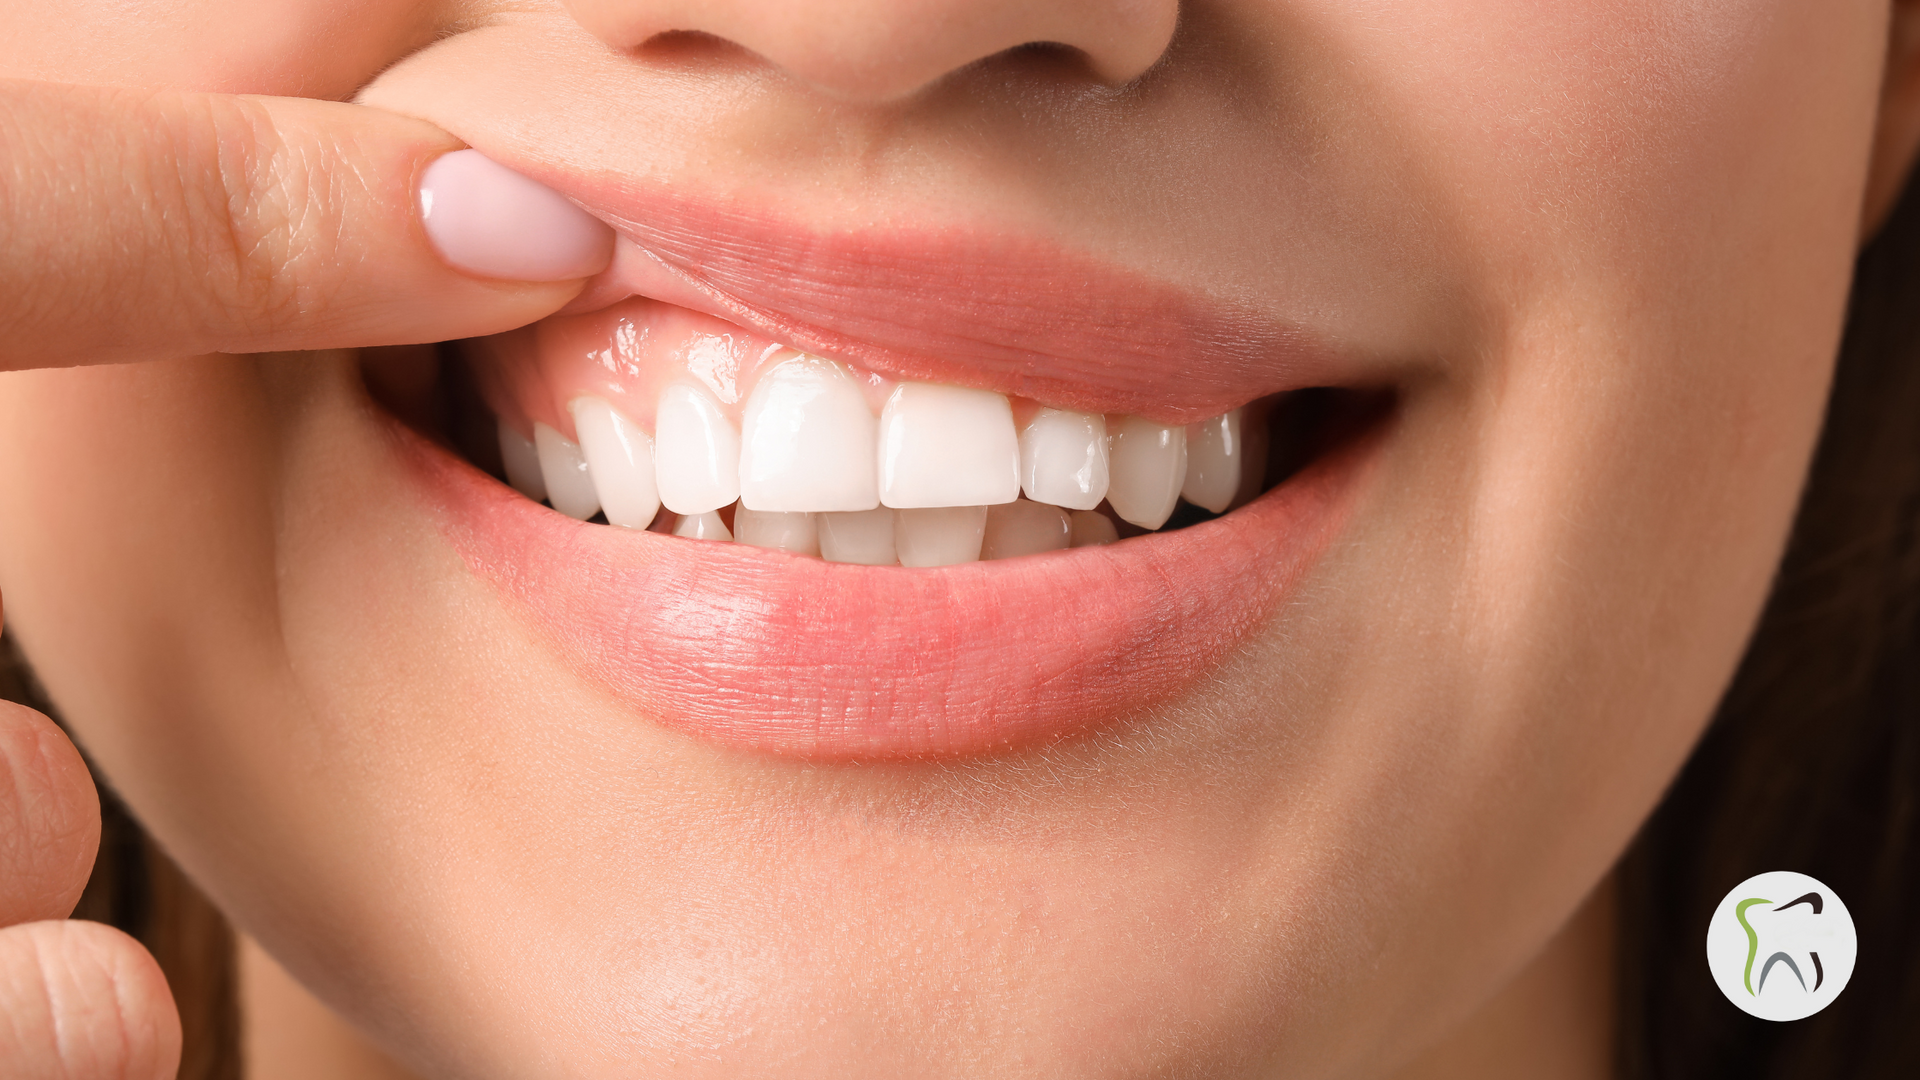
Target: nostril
1035, 61
691, 50
882, 51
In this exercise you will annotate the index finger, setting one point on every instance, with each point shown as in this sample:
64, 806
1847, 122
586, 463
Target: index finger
139, 224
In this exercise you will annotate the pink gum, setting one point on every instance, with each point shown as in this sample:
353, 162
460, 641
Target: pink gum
627, 354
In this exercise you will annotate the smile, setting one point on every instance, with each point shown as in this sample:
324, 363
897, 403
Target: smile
896, 567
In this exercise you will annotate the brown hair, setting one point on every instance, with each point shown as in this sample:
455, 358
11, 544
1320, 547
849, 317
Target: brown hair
1813, 761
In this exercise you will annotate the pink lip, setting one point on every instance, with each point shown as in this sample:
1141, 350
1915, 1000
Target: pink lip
956, 304
794, 656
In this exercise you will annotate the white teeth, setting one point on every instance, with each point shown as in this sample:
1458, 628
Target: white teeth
1214, 454
696, 451
1063, 459
1024, 528
939, 536
774, 529
1149, 463
863, 536
620, 460
1091, 529
947, 446
564, 467
707, 526
808, 441
522, 462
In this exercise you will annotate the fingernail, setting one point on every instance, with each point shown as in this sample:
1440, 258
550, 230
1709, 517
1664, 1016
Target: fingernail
487, 219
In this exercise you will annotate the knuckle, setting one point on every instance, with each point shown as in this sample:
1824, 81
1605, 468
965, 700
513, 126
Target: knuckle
257, 203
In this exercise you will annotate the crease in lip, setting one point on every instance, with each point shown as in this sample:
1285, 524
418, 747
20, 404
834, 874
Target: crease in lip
950, 304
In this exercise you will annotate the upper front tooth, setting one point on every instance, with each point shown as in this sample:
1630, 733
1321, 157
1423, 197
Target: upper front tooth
947, 446
522, 462
696, 451
774, 529
1149, 463
863, 536
1214, 455
564, 467
620, 460
1063, 459
808, 441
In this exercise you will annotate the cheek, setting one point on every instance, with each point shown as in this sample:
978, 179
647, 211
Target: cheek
138, 558
296, 48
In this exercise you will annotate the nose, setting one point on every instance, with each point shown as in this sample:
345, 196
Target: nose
882, 50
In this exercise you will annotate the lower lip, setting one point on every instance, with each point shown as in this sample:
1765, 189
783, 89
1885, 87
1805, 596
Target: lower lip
779, 654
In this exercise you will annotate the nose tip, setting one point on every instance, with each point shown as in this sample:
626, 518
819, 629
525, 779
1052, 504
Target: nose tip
884, 50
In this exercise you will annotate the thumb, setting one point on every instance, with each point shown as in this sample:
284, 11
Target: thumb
137, 225
82, 1001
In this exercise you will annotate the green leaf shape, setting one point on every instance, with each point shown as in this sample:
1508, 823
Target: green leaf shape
1753, 939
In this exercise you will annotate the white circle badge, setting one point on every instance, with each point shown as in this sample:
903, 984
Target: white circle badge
1781, 946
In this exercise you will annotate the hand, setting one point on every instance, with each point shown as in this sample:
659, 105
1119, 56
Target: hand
140, 225
136, 225
77, 999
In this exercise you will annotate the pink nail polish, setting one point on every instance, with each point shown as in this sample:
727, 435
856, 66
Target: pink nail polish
487, 219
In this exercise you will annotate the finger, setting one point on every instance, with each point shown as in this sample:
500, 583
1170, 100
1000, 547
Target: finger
49, 818
137, 224
82, 1001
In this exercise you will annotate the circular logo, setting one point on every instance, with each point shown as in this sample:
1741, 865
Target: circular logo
1781, 946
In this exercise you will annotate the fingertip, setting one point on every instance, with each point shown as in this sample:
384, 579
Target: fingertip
485, 219
49, 818
84, 1000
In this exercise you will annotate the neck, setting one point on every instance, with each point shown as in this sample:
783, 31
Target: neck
288, 1034
1553, 1021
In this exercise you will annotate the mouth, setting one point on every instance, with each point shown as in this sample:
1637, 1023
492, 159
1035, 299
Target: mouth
899, 533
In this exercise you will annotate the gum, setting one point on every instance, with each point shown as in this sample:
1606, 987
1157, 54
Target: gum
627, 354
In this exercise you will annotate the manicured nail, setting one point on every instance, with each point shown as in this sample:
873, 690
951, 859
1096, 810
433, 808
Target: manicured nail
487, 219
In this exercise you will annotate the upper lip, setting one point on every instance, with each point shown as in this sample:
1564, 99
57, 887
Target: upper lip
952, 303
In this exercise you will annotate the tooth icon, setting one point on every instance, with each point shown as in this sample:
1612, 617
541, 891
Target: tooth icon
947, 446
1149, 464
564, 467
1063, 459
620, 459
807, 441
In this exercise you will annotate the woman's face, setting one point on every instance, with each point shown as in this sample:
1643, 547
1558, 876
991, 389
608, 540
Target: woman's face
1289, 791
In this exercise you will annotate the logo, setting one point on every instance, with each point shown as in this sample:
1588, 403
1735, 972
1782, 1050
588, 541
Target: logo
1781, 946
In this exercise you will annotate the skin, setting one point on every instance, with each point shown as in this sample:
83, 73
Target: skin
1607, 244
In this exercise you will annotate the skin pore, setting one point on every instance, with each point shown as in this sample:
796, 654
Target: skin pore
1600, 252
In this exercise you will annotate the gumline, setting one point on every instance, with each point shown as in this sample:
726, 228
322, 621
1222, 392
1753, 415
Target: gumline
550, 400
